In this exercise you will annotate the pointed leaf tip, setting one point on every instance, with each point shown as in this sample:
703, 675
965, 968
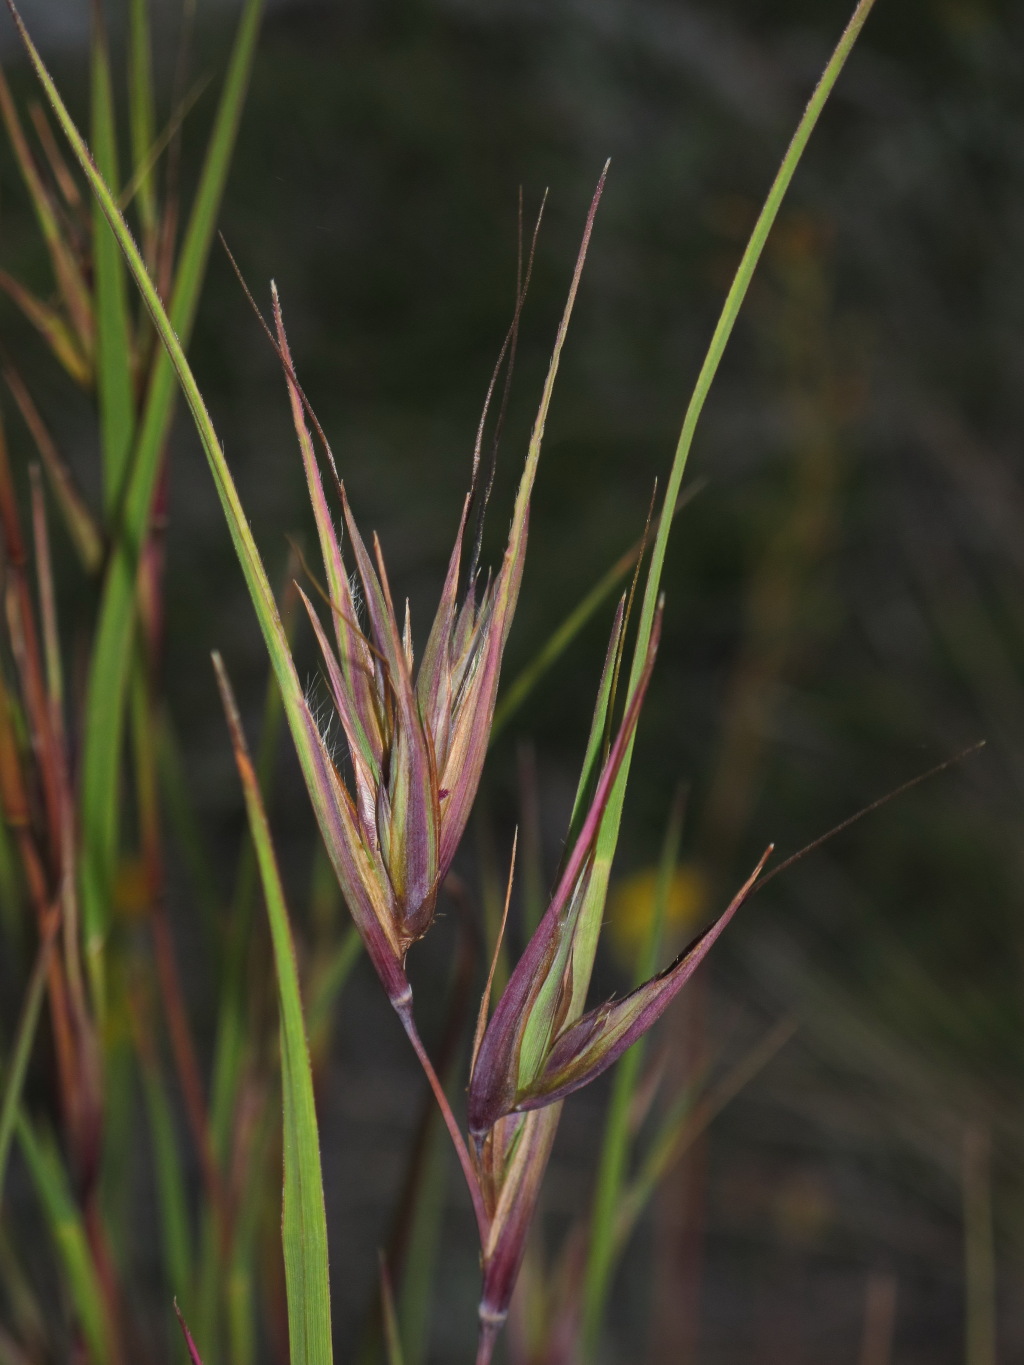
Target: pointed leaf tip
190, 1344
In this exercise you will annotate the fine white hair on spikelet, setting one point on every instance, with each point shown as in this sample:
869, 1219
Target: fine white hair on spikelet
355, 588
325, 717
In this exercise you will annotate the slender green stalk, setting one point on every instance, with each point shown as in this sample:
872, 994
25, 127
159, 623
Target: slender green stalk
590, 919
304, 1219
727, 320
601, 1247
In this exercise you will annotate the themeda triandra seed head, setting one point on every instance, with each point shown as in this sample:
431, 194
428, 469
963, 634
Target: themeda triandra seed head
416, 739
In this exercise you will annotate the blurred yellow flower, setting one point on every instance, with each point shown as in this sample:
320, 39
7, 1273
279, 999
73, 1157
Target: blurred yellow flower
631, 907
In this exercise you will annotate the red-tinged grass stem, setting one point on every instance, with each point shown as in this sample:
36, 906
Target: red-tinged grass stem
451, 1123
489, 1333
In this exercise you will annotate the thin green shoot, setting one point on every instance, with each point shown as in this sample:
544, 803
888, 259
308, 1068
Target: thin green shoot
590, 918
66, 1227
601, 1243
304, 1219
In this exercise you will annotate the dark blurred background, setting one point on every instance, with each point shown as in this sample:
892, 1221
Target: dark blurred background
844, 590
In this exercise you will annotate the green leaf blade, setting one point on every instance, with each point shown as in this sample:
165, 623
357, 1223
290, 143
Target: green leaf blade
108, 674
113, 332
53, 1189
304, 1219
590, 920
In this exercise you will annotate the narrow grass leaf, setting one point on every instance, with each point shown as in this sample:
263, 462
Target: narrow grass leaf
65, 181
108, 672
607, 839
175, 1237
686, 1120
51, 326
233, 946
113, 335
66, 269
79, 522
53, 1190
304, 1221
615, 1146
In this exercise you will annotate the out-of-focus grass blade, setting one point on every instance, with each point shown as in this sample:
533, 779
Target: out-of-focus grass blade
51, 326
170, 1181
51, 1184
601, 1244
193, 1353
686, 1120
229, 1048
111, 660
142, 114
78, 520
24, 1037
23, 1310
242, 1278
62, 176
562, 637
416, 1298
331, 980
392, 1337
590, 916
10, 1352
65, 267
560, 640
145, 168
113, 335
304, 1221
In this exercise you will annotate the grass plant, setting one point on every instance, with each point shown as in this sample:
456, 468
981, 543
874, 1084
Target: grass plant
391, 811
